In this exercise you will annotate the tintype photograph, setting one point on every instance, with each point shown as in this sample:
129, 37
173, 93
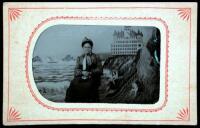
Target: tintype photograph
98, 64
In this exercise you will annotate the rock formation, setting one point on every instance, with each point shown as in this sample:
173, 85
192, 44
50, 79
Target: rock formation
37, 59
68, 58
128, 79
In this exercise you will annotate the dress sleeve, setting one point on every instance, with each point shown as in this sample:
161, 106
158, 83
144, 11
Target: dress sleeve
98, 70
77, 71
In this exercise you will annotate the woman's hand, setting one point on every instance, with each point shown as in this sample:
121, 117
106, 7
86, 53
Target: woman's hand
85, 73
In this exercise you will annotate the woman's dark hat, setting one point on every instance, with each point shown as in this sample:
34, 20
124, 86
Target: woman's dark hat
87, 40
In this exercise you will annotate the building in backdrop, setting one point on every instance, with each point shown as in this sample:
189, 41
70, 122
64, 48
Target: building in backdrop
127, 41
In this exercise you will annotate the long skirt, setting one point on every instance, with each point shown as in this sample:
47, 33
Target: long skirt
82, 91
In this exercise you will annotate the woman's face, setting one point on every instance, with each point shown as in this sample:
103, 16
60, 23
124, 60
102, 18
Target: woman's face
87, 48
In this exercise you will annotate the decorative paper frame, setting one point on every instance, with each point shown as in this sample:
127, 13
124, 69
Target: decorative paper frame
177, 22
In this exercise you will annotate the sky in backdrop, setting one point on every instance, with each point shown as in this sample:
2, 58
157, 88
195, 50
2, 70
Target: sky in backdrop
60, 40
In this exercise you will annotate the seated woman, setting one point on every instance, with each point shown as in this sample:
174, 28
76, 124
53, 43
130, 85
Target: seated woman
88, 70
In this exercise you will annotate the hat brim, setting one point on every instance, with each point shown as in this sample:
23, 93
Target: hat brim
89, 42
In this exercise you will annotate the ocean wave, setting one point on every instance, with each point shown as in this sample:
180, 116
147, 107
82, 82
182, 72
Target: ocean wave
53, 72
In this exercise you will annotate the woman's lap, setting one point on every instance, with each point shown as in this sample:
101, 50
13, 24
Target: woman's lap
81, 90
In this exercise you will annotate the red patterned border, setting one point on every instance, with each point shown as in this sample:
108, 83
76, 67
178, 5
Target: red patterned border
97, 18
110, 120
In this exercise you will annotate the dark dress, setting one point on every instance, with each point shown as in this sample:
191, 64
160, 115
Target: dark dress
85, 90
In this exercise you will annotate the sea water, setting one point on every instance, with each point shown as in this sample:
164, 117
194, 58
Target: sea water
53, 79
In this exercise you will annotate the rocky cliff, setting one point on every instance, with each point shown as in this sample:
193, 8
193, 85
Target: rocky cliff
67, 58
117, 86
127, 80
37, 59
